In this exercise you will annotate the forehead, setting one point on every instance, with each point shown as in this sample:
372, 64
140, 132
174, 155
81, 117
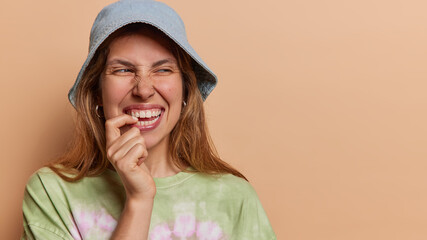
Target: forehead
140, 46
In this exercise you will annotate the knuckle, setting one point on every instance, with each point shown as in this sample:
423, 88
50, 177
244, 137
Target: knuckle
108, 123
115, 159
142, 149
139, 147
110, 154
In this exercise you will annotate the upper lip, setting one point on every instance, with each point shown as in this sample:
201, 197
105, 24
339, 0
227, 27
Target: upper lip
142, 107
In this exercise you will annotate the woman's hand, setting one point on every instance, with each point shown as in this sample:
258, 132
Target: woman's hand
127, 153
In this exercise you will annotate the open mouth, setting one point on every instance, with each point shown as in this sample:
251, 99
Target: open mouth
146, 118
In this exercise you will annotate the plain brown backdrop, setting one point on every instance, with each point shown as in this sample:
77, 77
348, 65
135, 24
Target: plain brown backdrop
322, 104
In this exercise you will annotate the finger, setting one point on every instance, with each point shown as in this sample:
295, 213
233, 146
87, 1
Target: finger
125, 148
130, 160
117, 144
113, 125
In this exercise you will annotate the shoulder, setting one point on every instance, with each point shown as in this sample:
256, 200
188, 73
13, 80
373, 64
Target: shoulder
237, 184
46, 187
43, 186
46, 178
41, 177
46, 182
44, 171
226, 184
46, 191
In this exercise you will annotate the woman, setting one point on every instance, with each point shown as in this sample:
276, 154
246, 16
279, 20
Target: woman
142, 165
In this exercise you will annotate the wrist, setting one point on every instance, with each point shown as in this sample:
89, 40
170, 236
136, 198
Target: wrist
139, 203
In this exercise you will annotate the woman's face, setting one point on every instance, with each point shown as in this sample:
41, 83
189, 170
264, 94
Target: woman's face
142, 78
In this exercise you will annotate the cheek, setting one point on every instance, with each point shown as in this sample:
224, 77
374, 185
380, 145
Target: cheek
172, 91
112, 95
172, 94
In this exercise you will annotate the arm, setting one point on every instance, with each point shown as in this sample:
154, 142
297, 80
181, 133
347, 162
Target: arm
134, 221
127, 153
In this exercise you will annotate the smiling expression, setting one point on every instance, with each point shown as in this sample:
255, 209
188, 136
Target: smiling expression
142, 79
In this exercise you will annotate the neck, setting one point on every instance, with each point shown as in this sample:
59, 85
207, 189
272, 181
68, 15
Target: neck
159, 162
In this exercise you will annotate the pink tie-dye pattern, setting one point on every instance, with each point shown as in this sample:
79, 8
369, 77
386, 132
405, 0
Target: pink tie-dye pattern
94, 222
161, 232
208, 231
185, 225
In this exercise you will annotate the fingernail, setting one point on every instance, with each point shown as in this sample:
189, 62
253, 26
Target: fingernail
135, 118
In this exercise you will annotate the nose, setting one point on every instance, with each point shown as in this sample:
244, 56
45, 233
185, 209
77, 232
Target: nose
143, 88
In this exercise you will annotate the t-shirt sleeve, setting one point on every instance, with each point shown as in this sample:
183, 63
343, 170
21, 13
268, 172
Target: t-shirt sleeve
252, 222
42, 218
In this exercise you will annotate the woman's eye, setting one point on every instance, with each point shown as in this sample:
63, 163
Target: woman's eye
164, 70
122, 70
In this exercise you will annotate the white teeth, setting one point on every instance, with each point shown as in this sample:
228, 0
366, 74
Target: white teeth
145, 123
146, 113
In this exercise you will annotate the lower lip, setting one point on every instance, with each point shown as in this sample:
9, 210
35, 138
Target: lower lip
149, 127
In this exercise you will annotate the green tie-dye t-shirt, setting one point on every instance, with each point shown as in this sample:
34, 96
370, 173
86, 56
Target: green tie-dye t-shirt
186, 206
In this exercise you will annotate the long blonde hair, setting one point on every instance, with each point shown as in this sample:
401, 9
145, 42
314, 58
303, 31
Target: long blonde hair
190, 142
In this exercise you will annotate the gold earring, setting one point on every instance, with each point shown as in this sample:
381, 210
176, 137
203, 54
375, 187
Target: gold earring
97, 107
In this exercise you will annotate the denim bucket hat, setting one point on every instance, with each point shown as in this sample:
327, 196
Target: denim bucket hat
157, 14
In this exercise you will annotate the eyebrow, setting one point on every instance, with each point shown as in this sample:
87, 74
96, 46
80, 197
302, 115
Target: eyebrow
129, 64
119, 61
161, 62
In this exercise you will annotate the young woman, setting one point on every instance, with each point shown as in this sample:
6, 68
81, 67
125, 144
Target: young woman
142, 165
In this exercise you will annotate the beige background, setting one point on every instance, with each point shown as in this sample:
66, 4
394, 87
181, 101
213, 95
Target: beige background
322, 104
